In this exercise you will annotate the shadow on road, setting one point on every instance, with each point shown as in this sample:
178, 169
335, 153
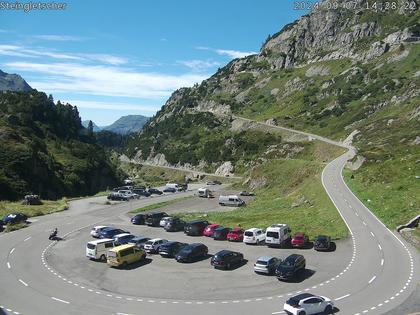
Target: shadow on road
234, 267
138, 264
302, 276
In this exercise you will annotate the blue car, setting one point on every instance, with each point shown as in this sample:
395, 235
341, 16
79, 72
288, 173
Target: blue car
123, 238
13, 218
110, 232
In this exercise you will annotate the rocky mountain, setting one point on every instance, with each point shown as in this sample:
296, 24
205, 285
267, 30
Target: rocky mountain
332, 72
13, 82
127, 124
45, 150
85, 123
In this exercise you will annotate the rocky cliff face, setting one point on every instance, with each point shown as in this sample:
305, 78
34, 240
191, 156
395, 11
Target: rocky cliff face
13, 82
330, 72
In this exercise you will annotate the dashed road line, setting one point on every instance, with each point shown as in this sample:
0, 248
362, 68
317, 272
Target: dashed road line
371, 233
373, 279
342, 297
382, 262
23, 282
27, 239
380, 247
11, 251
8, 265
60, 300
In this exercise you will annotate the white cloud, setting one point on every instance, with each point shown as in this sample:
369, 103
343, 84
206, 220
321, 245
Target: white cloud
228, 52
109, 59
59, 38
104, 80
113, 106
199, 65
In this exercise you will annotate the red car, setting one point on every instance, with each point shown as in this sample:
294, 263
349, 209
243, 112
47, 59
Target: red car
236, 235
209, 230
300, 240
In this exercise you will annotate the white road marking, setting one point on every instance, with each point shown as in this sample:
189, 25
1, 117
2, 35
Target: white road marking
12, 250
342, 297
281, 312
123, 314
356, 214
23, 282
8, 265
364, 223
382, 262
27, 239
371, 233
380, 247
373, 279
59, 300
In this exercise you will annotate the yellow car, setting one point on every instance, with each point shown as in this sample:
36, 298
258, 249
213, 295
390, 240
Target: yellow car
124, 255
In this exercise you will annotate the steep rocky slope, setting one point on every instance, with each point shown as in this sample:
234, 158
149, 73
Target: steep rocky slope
13, 82
332, 72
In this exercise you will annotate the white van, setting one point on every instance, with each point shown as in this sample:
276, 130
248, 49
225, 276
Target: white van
173, 185
277, 235
231, 200
205, 193
97, 249
254, 236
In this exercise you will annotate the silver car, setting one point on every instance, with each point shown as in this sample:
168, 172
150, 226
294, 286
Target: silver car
266, 264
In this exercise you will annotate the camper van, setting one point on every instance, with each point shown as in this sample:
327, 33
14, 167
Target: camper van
277, 235
97, 249
205, 193
232, 201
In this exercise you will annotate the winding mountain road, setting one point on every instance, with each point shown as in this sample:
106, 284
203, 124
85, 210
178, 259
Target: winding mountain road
380, 272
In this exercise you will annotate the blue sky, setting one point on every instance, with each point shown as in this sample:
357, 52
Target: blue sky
114, 58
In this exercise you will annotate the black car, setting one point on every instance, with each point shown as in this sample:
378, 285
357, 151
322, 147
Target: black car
226, 259
174, 225
221, 233
170, 249
117, 196
154, 191
195, 227
246, 193
290, 267
192, 252
169, 190
110, 232
322, 243
141, 192
139, 218
139, 241
1, 224
153, 218
14, 218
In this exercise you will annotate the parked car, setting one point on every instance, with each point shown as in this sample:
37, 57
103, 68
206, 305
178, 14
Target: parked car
140, 187
141, 192
123, 238
117, 197
14, 218
139, 218
322, 243
122, 188
267, 265
174, 225
139, 241
192, 252
123, 255
226, 259
209, 230
154, 191
1, 224
170, 249
246, 193
307, 303
236, 235
299, 239
169, 190
231, 201
96, 250
152, 246
220, 233
163, 221
94, 232
110, 232
290, 267
153, 218
195, 227
277, 235
254, 236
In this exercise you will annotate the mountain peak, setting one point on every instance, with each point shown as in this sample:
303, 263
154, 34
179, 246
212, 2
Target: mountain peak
13, 82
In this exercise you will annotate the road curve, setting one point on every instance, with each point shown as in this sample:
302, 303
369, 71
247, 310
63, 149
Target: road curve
380, 275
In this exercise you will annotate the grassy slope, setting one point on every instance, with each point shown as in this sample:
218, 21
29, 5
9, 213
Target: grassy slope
47, 207
293, 195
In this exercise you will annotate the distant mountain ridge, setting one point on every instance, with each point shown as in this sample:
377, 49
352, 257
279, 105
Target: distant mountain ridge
13, 82
127, 124
96, 128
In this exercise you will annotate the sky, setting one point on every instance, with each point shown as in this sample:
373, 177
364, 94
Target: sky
116, 58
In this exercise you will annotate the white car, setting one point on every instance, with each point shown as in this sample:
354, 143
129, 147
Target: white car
164, 220
306, 304
153, 245
129, 194
254, 236
95, 230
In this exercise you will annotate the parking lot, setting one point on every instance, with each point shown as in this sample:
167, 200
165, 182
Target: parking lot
164, 278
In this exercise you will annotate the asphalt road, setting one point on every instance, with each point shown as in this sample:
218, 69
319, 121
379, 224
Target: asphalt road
373, 272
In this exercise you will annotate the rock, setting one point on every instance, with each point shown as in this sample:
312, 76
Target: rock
389, 122
319, 70
416, 141
399, 56
355, 165
226, 169
275, 91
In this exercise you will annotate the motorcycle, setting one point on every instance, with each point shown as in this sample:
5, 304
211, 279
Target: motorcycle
53, 235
